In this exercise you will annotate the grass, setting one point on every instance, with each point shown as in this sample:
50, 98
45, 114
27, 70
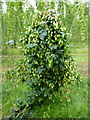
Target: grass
11, 91
69, 105
10, 56
1, 101
73, 106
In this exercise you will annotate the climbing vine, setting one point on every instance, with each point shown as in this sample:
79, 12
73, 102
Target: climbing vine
47, 64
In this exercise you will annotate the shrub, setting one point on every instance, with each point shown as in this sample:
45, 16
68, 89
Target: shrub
48, 64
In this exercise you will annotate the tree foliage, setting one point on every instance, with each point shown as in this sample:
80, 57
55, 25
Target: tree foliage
12, 22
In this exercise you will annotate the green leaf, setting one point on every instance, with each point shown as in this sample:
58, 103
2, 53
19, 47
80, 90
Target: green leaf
35, 80
47, 53
60, 51
42, 34
40, 70
31, 45
53, 47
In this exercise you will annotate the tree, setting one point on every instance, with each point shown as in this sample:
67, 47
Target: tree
12, 22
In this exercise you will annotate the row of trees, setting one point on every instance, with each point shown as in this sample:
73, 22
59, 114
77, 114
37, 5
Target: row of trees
74, 17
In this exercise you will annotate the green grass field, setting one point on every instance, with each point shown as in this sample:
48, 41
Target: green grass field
73, 102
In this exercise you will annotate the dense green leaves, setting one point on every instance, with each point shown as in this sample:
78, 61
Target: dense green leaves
48, 64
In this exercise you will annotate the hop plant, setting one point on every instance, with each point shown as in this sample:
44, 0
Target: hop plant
48, 64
